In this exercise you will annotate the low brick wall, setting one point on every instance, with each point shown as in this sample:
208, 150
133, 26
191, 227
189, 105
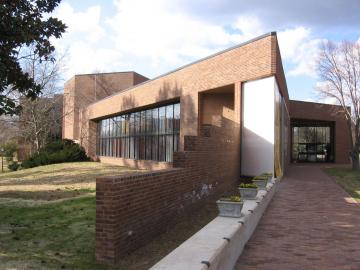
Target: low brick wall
221, 242
137, 164
132, 209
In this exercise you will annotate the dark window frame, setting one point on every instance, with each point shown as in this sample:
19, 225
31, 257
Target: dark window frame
149, 134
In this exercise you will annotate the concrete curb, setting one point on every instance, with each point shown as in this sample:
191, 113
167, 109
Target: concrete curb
219, 244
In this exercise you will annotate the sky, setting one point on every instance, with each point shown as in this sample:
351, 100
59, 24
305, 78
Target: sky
153, 37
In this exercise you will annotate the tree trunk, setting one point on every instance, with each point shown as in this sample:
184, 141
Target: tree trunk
355, 159
356, 147
37, 145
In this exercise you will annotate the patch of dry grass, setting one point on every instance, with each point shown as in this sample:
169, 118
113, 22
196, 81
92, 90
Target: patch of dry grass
56, 181
4, 166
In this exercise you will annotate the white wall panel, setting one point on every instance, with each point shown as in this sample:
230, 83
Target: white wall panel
257, 148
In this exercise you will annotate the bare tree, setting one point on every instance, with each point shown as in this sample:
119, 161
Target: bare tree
41, 119
8, 129
339, 70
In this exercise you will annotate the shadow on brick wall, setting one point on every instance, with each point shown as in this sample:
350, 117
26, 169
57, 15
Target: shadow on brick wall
133, 209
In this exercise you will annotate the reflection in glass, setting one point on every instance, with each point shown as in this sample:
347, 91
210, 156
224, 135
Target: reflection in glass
151, 134
313, 143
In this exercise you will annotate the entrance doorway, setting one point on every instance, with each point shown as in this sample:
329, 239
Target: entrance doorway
312, 141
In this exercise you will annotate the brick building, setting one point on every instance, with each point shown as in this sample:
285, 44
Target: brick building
198, 128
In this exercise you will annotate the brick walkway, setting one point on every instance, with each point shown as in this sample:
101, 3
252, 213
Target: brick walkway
308, 225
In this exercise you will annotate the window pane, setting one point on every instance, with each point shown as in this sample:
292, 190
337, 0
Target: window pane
162, 120
169, 118
176, 126
136, 134
155, 132
161, 148
155, 121
169, 148
177, 117
149, 131
162, 131
131, 136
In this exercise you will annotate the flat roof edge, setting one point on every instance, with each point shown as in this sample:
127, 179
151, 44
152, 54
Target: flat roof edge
105, 73
315, 103
192, 63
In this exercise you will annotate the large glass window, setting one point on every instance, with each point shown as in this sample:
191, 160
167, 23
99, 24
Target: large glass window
151, 134
312, 142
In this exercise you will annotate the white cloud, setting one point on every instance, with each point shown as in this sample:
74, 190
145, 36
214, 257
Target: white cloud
305, 59
319, 99
159, 37
86, 23
310, 99
85, 58
322, 90
291, 39
249, 25
299, 48
329, 100
164, 36
83, 43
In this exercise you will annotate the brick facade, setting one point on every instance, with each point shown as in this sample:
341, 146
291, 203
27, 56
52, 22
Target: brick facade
248, 61
134, 208
82, 90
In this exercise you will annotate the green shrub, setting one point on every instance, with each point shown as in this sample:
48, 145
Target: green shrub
235, 198
231, 199
56, 152
243, 185
13, 166
260, 177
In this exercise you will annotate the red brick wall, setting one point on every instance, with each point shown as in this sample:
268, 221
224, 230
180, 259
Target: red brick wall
248, 61
81, 90
133, 209
214, 105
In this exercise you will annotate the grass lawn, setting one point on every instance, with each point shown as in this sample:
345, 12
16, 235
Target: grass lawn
42, 231
348, 180
62, 236
49, 236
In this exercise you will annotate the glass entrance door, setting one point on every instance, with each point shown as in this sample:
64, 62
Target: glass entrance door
312, 142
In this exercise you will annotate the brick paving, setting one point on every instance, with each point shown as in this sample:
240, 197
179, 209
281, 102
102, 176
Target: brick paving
308, 225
